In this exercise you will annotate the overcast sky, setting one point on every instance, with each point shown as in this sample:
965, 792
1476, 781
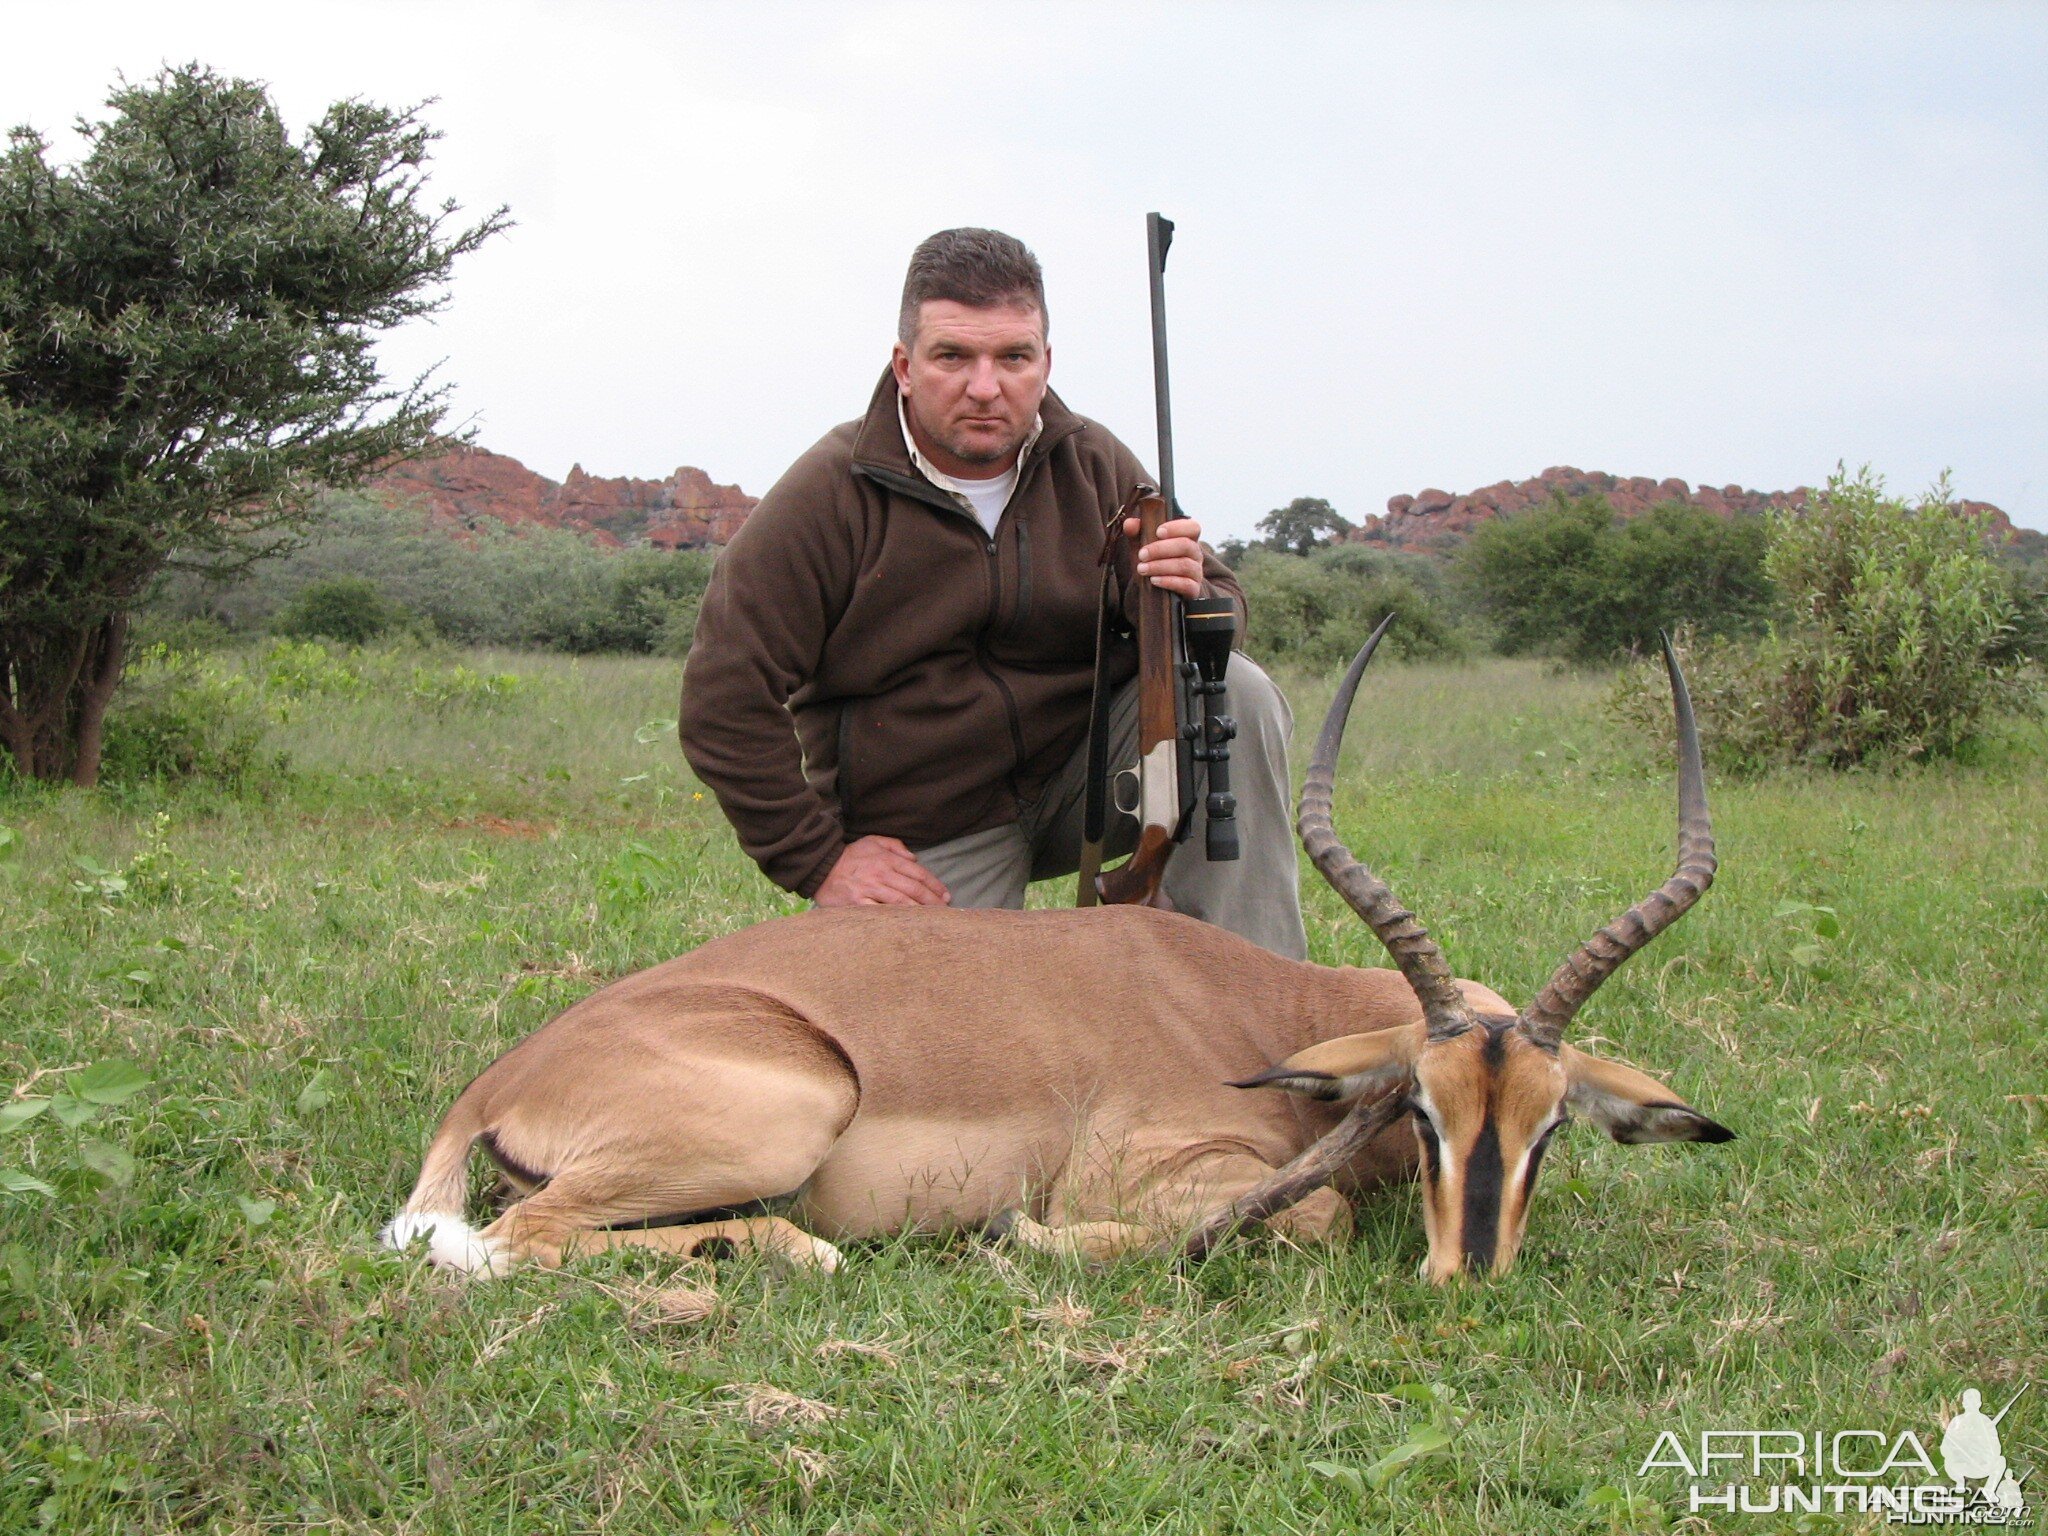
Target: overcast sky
1418, 245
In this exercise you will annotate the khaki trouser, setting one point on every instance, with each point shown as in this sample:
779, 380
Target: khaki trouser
1257, 895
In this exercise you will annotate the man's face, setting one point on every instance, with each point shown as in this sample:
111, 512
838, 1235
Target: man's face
972, 382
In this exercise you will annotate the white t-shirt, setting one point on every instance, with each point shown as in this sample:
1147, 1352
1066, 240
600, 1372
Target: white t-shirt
986, 498
989, 496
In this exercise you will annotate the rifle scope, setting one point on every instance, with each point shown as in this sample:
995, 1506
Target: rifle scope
1209, 624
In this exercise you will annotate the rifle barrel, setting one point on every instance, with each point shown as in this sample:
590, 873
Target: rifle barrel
2010, 1401
1158, 236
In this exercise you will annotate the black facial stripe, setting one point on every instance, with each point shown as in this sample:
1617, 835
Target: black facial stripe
1427, 1133
1482, 1198
1536, 1161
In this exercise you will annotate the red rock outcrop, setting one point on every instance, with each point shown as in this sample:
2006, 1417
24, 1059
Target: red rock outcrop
1434, 519
461, 484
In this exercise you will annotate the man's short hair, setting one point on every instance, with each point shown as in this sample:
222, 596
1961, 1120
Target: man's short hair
981, 268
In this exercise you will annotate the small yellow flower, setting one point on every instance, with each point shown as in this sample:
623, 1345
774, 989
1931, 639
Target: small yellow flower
697, 794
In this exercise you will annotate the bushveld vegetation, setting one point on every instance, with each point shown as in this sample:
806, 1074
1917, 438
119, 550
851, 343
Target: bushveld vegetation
1568, 581
1898, 636
1573, 579
1309, 611
235, 1009
367, 569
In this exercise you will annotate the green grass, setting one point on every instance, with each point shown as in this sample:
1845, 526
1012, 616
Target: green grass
310, 972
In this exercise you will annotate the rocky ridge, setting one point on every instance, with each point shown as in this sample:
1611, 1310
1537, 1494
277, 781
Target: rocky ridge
462, 484
1434, 519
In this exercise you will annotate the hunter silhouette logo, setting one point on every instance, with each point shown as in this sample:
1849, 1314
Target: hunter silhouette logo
1794, 1471
1970, 1452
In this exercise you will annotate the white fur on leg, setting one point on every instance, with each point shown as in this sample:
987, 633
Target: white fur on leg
452, 1243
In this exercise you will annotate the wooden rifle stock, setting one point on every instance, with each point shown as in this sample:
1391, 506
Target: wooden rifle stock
1160, 796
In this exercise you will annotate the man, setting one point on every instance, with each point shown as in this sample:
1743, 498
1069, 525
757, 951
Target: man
889, 686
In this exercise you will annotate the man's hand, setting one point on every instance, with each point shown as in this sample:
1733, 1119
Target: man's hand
1174, 559
880, 872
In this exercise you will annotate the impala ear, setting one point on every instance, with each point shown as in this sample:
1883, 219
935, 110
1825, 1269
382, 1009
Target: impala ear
1349, 1067
1631, 1106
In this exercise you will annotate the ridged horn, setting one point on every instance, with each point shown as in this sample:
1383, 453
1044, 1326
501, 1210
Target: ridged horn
1443, 1006
1602, 955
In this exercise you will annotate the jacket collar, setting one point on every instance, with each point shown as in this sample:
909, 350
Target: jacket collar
946, 482
880, 453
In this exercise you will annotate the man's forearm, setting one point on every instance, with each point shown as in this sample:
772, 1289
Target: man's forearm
748, 756
793, 836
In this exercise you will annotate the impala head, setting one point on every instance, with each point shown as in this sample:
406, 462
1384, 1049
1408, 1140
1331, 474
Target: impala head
1485, 1091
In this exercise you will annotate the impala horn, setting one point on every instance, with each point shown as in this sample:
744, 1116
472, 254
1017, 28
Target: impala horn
1414, 951
1601, 956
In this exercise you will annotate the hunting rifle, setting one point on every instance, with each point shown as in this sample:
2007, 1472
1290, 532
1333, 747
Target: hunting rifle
1183, 648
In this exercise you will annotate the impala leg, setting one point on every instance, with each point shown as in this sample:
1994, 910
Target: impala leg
569, 1219
631, 1140
768, 1235
1322, 1216
1178, 1200
1093, 1242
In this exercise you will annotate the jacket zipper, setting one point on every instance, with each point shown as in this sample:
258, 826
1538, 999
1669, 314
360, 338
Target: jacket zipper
843, 786
995, 603
1023, 576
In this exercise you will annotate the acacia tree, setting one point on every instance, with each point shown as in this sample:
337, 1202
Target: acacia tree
187, 317
1302, 524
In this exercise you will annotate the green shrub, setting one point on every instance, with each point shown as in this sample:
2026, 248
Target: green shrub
1572, 578
441, 688
1895, 612
181, 716
630, 602
1896, 639
298, 669
1315, 612
346, 608
2026, 637
1731, 685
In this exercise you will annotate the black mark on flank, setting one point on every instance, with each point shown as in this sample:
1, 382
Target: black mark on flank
1482, 1198
531, 1177
767, 1205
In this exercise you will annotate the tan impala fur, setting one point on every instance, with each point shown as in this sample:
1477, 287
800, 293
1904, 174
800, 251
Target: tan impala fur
1070, 1065
1074, 1076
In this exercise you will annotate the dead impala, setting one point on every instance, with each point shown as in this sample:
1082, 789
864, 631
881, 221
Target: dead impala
1075, 1076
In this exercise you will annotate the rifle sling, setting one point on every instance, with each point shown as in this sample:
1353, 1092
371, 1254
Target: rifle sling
1095, 801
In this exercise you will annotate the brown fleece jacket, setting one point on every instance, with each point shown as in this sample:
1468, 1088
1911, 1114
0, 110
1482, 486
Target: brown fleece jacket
935, 678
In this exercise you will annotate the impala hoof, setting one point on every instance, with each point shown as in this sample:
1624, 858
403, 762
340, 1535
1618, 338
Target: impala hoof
828, 1258
452, 1243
